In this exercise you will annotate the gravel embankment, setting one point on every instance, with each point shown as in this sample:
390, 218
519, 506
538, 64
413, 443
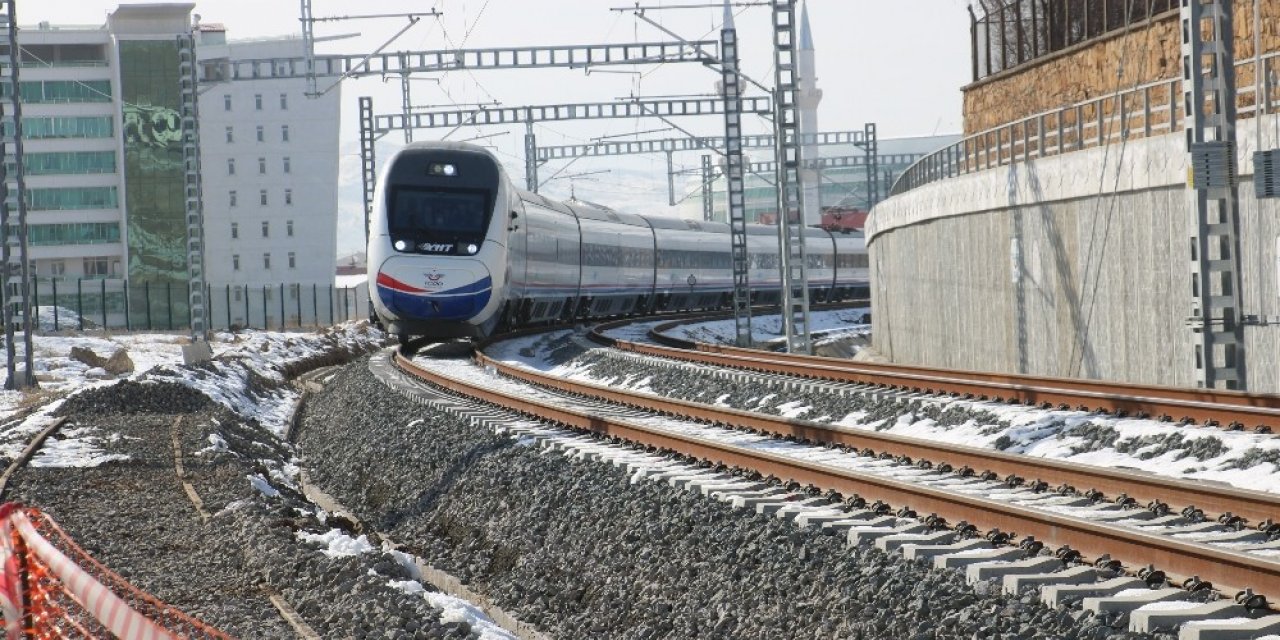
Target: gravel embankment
132, 514
576, 548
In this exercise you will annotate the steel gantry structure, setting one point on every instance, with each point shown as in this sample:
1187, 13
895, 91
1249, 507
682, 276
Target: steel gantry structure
376, 126
793, 257
671, 146
1209, 89
339, 66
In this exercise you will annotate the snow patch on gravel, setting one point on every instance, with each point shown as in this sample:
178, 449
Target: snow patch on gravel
337, 544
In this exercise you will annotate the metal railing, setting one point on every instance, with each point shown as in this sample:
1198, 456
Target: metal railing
1146, 110
112, 304
1010, 33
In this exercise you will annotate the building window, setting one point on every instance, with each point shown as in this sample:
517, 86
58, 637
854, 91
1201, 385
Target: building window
231, 166
262, 166
257, 101
231, 197
69, 127
284, 101
235, 230
288, 227
266, 261
261, 134
58, 268
293, 290
44, 235
226, 102
288, 199
61, 91
266, 229
96, 267
237, 290
284, 133
235, 265
262, 197
231, 135
267, 293
288, 166
67, 163
62, 198
293, 260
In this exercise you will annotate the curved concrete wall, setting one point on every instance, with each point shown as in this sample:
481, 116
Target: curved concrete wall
1026, 268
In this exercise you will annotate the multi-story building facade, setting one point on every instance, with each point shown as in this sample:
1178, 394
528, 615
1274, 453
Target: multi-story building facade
105, 176
270, 178
102, 160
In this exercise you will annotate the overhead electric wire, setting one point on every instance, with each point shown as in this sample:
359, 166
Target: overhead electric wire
1075, 363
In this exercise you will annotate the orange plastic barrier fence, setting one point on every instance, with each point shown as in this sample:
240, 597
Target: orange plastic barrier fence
51, 588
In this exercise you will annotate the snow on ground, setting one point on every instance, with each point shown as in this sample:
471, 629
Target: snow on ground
767, 329
242, 361
1238, 458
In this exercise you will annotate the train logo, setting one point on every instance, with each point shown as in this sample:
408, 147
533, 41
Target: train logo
434, 279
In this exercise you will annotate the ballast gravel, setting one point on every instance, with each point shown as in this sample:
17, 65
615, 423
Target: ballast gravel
574, 547
132, 515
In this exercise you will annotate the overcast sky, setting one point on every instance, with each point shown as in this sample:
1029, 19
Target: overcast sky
899, 63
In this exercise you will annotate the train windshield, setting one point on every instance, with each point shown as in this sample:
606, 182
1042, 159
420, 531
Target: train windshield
438, 212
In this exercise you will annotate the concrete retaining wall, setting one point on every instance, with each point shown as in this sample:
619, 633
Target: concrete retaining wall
1026, 268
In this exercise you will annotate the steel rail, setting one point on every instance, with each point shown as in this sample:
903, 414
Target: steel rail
1227, 409
1227, 570
1144, 488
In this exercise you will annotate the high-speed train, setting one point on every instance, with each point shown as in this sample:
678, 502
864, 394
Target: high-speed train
456, 251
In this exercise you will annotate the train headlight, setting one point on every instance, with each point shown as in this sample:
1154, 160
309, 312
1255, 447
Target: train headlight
442, 169
472, 249
401, 245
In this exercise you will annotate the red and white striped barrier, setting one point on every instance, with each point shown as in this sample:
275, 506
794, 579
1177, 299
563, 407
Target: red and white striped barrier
43, 589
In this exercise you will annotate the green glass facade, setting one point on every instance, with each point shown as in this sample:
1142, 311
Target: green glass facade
153, 161
74, 233
68, 163
69, 127
53, 199
49, 91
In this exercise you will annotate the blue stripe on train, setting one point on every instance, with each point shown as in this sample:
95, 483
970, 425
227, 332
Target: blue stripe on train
462, 303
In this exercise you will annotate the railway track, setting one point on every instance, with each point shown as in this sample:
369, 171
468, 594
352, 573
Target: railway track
1159, 535
1225, 409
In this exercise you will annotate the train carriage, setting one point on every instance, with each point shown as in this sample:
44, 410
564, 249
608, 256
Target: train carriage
455, 250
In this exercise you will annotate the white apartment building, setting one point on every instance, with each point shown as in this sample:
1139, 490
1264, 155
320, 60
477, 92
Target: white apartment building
269, 156
105, 176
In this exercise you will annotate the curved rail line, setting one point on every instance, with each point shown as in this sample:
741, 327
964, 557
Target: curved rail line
1227, 569
1227, 409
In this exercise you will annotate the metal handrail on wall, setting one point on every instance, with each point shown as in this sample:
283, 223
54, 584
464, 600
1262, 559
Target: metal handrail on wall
1146, 110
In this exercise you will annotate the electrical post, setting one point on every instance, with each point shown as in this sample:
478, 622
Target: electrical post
530, 157
406, 101
792, 254
309, 47
13, 228
1213, 194
735, 182
871, 146
368, 163
198, 350
708, 177
671, 180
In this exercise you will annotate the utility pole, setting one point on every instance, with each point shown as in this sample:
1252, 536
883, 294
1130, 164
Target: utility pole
1213, 194
13, 228
708, 177
791, 228
735, 183
198, 350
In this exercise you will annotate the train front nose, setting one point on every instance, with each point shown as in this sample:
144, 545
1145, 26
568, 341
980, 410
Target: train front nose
454, 289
